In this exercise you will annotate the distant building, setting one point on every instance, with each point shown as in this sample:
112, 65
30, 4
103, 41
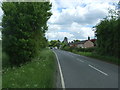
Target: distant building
94, 41
84, 44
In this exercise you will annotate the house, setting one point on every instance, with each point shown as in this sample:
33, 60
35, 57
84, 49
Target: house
94, 41
83, 44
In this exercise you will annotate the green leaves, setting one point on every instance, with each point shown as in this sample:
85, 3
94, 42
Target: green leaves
55, 43
107, 32
24, 25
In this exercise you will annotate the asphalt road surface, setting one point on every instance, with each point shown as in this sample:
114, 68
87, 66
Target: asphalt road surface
83, 72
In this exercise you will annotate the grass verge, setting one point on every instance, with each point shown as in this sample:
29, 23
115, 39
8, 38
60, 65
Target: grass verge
109, 59
39, 73
0, 64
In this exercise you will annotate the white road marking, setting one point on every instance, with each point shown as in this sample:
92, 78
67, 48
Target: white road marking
98, 70
61, 75
80, 60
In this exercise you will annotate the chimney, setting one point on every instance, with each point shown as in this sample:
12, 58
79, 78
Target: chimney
88, 38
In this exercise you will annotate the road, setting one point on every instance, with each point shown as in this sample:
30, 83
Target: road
83, 72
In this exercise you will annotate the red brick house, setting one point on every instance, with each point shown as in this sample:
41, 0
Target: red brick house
84, 44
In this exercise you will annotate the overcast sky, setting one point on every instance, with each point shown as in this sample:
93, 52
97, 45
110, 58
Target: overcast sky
75, 18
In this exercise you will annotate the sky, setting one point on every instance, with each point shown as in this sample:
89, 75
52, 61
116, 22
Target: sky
74, 19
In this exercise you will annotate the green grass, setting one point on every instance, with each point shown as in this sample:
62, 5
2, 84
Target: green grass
0, 64
109, 59
39, 73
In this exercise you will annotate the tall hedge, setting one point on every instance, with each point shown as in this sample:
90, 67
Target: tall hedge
107, 32
24, 26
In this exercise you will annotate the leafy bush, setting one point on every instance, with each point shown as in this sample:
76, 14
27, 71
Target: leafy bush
5, 60
107, 32
24, 31
67, 48
74, 49
86, 49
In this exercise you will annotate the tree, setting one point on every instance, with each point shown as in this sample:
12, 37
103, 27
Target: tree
24, 26
76, 40
55, 43
107, 32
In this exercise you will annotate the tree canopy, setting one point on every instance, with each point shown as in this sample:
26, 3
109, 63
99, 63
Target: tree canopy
24, 26
55, 43
107, 32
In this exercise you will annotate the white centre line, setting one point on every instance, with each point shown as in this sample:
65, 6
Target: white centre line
80, 60
98, 70
61, 75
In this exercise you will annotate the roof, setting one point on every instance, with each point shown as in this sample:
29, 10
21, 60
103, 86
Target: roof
93, 40
81, 42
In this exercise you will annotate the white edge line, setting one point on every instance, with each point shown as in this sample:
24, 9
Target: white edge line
62, 79
98, 70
